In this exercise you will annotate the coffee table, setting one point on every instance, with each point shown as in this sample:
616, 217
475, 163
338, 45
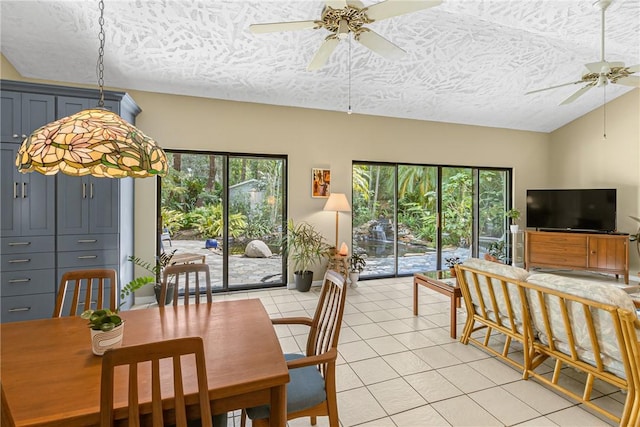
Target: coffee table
441, 281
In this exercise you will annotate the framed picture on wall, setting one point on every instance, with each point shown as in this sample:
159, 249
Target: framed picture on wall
320, 182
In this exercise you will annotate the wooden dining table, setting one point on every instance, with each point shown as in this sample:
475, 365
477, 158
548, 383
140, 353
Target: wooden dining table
51, 377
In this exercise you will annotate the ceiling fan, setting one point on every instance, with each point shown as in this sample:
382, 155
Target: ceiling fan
342, 17
603, 72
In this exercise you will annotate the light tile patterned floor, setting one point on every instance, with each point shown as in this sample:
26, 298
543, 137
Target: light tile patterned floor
399, 370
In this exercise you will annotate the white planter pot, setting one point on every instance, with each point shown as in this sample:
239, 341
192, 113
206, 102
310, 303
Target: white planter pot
354, 276
102, 341
514, 228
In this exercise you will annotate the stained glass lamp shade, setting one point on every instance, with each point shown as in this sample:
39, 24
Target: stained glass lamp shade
94, 142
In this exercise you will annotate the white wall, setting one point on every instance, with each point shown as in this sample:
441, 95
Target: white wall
313, 138
579, 157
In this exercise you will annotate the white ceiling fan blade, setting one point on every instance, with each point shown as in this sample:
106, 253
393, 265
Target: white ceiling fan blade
282, 26
629, 81
634, 68
322, 55
596, 67
577, 94
553, 87
379, 44
336, 4
387, 9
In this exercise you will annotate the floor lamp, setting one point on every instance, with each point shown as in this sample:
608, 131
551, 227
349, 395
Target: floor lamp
337, 202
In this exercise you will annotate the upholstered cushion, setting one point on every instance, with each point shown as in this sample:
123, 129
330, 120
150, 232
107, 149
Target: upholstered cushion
603, 323
497, 268
304, 390
506, 271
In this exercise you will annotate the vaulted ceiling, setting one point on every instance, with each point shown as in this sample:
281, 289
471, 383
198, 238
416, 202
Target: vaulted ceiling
467, 61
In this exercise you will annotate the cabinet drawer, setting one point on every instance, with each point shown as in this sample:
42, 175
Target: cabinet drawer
25, 244
28, 282
87, 259
562, 250
84, 242
28, 261
546, 238
558, 259
26, 307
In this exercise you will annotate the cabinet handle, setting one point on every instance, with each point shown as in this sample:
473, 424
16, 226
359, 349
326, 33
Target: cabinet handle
19, 243
19, 280
15, 190
24, 190
24, 136
84, 190
18, 261
91, 190
88, 257
15, 310
15, 135
87, 241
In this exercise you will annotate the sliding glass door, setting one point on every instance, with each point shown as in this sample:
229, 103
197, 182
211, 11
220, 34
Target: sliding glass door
374, 195
412, 218
229, 209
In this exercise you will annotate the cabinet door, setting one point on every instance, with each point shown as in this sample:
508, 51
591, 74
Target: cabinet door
10, 187
38, 205
608, 253
73, 204
37, 111
11, 127
103, 205
68, 105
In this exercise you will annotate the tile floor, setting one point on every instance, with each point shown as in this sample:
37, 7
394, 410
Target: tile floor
396, 369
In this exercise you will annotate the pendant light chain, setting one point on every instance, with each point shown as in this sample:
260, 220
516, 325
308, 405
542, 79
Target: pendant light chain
100, 64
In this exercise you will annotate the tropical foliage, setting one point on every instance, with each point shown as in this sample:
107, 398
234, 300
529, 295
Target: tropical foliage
192, 197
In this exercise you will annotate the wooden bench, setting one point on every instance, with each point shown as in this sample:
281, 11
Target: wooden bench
587, 325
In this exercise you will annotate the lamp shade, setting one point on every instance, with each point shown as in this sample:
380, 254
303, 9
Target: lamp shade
337, 202
94, 142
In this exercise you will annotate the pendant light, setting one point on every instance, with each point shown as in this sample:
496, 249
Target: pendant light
94, 142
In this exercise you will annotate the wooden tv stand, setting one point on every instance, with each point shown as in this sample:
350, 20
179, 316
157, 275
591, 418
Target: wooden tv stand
607, 253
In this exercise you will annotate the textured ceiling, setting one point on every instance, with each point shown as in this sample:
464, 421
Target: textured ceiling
468, 61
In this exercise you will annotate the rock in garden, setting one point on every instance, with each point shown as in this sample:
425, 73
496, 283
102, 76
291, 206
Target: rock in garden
257, 249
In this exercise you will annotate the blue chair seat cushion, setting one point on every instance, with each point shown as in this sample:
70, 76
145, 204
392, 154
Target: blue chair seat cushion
304, 390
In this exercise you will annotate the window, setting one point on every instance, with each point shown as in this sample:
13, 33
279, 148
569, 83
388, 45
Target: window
410, 218
230, 208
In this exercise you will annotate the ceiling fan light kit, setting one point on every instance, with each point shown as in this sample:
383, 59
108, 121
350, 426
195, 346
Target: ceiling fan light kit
342, 17
600, 74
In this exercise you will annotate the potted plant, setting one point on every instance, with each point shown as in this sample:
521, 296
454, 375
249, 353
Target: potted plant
107, 327
451, 262
156, 270
305, 247
495, 251
356, 265
513, 215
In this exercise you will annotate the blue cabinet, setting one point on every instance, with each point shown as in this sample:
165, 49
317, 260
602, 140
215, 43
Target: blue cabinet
22, 113
53, 224
27, 207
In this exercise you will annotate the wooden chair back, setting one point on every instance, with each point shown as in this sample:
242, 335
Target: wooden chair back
178, 274
137, 358
91, 282
326, 323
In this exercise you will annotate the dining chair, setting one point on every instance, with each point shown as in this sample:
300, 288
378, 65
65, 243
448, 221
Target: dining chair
311, 391
87, 281
186, 273
161, 355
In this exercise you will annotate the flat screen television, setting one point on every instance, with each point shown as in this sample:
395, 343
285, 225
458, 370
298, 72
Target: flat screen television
573, 210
